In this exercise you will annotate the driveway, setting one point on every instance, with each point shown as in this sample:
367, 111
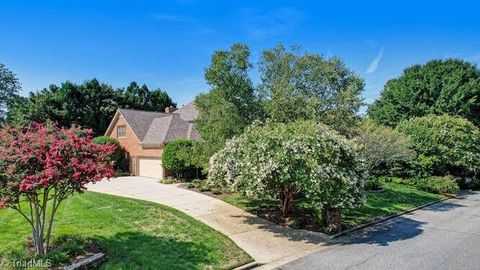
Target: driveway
269, 244
442, 236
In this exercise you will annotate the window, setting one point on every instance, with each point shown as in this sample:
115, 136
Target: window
121, 132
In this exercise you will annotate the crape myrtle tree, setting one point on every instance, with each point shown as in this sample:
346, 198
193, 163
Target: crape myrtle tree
285, 161
41, 166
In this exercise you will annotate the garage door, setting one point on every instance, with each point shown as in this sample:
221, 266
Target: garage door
150, 167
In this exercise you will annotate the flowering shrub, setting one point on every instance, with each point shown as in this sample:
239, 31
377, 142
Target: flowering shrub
41, 165
286, 160
444, 144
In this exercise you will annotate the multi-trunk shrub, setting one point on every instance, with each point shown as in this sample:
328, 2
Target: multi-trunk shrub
284, 161
41, 166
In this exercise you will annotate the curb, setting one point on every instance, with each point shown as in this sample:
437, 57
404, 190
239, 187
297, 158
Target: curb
388, 218
248, 266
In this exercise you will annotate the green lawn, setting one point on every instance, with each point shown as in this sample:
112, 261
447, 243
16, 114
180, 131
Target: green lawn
134, 234
393, 199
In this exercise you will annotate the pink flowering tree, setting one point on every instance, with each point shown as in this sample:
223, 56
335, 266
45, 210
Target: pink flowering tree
41, 166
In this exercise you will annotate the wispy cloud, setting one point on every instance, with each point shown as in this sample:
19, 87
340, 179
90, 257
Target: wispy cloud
263, 25
374, 64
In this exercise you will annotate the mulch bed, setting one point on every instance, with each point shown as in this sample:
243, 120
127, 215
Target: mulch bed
299, 218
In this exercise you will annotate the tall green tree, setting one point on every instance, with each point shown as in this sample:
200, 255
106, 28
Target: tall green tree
305, 86
440, 86
141, 98
91, 104
9, 88
231, 104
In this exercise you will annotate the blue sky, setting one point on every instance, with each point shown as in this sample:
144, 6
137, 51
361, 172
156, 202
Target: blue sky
168, 44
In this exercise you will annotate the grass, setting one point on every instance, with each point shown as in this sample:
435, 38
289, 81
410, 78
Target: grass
394, 198
134, 234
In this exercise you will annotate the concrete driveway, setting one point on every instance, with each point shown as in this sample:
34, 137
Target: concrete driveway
269, 244
442, 236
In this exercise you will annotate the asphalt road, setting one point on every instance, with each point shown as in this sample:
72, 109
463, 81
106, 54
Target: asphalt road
442, 236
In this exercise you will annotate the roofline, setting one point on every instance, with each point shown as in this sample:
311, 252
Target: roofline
114, 119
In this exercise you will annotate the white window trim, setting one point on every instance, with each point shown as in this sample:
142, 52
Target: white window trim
124, 131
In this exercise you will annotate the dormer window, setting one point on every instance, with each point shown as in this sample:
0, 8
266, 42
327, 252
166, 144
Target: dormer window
121, 131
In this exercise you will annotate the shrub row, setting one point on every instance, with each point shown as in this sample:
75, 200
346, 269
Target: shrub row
433, 184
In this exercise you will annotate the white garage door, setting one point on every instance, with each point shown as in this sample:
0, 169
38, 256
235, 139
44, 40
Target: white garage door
150, 167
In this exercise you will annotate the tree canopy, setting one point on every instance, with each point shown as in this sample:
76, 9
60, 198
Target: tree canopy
294, 86
91, 104
306, 86
9, 88
282, 161
440, 86
231, 103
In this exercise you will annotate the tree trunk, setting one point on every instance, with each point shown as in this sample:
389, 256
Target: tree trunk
332, 217
287, 197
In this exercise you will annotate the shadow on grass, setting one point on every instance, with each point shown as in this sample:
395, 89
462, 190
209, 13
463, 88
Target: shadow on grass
136, 250
297, 235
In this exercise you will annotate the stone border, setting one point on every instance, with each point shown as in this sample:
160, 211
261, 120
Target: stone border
362, 226
88, 262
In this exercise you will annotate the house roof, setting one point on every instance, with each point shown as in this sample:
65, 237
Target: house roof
188, 112
156, 128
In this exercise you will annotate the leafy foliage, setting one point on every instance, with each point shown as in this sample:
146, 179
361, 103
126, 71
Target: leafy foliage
373, 183
231, 104
440, 86
444, 145
41, 166
382, 147
306, 86
438, 185
285, 160
9, 88
119, 156
91, 104
175, 156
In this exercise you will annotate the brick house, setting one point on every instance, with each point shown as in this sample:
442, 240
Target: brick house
143, 135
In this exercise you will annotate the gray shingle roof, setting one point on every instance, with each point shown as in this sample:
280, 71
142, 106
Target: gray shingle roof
154, 128
188, 112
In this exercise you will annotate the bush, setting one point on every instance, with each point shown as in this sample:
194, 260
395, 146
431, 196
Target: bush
169, 180
444, 145
470, 183
382, 147
119, 156
176, 155
285, 161
438, 185
373, 183
397, 180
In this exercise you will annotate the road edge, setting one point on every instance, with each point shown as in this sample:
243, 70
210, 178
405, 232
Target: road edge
363, 226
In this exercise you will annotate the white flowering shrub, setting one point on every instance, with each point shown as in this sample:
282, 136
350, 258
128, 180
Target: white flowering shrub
288, 160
